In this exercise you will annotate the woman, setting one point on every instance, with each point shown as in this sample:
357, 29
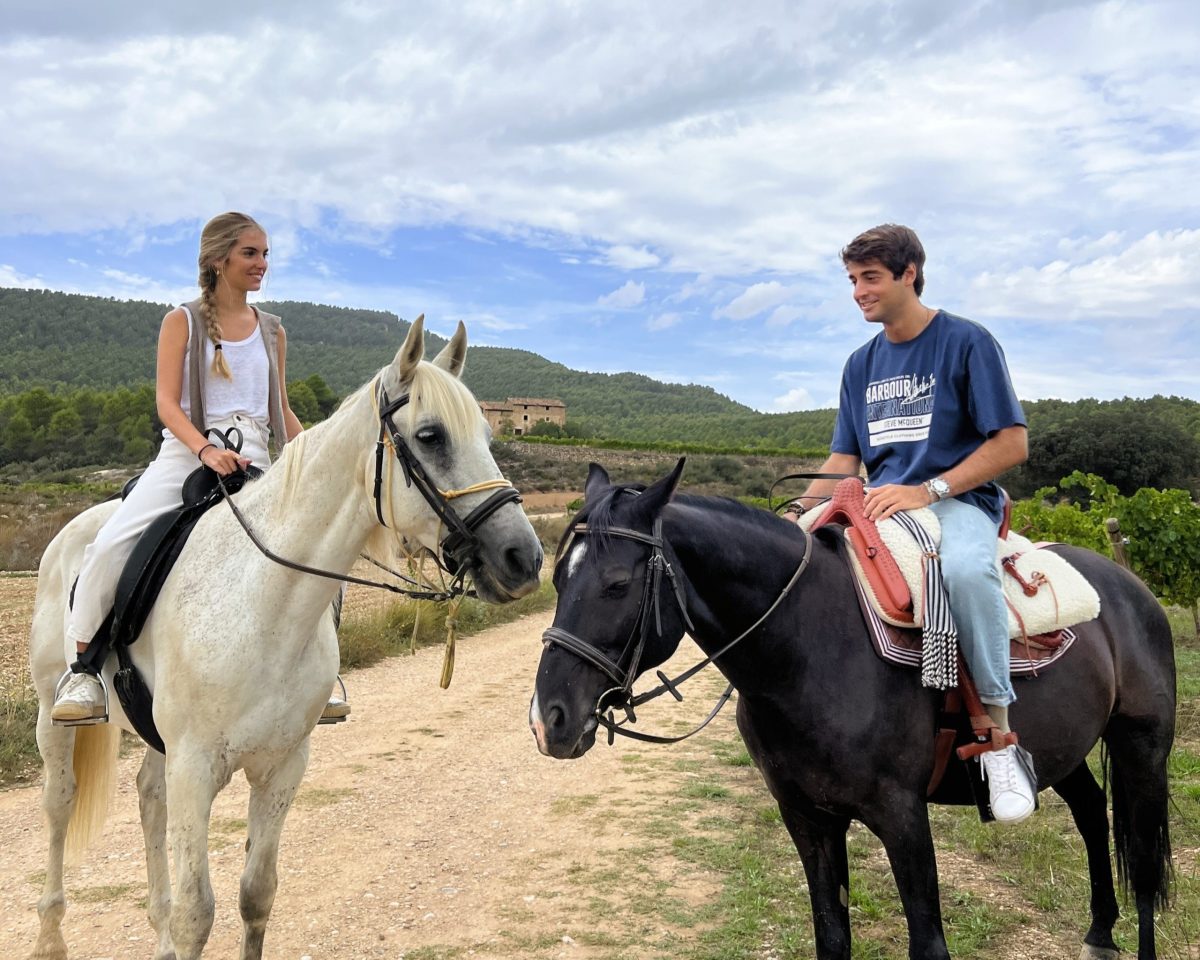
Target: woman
221, 364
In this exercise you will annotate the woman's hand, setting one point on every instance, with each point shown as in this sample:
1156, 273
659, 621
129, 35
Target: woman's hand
223, 461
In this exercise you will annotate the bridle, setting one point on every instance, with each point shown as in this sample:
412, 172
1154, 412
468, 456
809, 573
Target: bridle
649, 610
461, 544
458, 548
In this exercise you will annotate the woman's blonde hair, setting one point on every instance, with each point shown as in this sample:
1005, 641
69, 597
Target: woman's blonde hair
217, 239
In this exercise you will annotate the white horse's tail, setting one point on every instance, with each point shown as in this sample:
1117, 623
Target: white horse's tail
95, 766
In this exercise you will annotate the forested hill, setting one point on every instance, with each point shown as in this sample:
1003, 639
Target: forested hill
66, 342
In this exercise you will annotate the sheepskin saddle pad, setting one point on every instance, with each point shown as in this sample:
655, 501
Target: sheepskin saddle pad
1044, 593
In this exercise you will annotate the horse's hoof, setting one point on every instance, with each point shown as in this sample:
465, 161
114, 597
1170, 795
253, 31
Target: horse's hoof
1098, 953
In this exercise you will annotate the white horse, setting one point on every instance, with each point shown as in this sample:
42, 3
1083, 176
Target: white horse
240, 652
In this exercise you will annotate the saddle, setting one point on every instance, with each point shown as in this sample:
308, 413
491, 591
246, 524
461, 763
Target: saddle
141, 581
893, 620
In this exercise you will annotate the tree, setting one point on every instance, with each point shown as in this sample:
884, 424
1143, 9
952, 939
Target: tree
303, 403
1131, 449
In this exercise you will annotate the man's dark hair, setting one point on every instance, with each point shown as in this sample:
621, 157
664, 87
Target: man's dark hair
892, 245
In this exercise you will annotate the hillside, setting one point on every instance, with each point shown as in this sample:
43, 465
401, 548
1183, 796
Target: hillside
67, 342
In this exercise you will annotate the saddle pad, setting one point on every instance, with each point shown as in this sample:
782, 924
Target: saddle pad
902, 646
1065, 599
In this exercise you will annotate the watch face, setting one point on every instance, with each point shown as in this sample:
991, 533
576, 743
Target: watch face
941, 487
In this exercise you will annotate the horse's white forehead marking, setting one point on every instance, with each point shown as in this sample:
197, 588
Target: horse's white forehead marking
576, 557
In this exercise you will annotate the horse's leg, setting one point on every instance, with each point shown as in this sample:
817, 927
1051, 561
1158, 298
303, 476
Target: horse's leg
822, 848
152, 799
1086, 800
193, 778
271, 794
56, 745
1138, 749
903, 828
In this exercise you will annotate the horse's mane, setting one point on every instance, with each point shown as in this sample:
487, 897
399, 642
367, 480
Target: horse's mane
432, 390
599, 514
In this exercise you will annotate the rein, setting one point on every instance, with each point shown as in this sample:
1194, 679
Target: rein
458, 547
622, 695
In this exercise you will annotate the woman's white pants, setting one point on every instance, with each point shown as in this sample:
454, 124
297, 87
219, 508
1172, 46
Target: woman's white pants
160, 489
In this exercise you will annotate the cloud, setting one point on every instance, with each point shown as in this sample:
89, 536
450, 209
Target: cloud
754, 300
631, 258
784, 316
663, 321
797, 398
10, 277
628, 295
1153, 274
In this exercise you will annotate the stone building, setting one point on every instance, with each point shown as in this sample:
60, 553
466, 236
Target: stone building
517, 415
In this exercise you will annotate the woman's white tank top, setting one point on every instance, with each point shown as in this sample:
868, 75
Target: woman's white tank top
245, 394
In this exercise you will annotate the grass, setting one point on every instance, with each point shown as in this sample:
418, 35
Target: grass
18, 740
402, 627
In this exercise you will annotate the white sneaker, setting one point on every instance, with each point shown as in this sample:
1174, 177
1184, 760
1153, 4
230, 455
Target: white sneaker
80, 698
1010, 792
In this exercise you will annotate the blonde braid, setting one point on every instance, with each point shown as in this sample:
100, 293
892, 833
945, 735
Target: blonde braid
217, 239
208, 312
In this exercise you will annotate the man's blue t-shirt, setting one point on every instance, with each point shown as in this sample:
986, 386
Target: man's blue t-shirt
911, 411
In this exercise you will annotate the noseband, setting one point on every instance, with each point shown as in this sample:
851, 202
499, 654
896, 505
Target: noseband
461, 545
622, 694
656, 566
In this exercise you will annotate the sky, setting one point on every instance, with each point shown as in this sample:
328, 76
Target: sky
655, 187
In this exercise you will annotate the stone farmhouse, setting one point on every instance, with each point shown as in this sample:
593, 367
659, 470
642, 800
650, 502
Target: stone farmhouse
517, 415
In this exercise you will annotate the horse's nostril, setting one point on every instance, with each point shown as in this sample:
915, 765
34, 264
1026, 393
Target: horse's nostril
555, 717
522, 562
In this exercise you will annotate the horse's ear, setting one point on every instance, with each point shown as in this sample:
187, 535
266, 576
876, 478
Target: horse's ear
413, 350
454, 354
659, 493
597, 480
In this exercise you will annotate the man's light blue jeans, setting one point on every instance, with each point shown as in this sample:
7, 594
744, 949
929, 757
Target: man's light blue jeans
968, 554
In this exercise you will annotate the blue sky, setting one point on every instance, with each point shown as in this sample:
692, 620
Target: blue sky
634, 186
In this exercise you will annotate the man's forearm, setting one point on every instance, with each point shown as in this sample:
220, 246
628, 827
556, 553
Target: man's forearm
1002, 451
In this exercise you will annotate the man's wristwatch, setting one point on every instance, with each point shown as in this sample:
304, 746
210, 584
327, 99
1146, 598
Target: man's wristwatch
937, 488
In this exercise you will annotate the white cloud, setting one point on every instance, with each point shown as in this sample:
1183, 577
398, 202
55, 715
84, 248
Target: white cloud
631, 258
754, 300
797, 398
663, 321
784, 316
11, 277
1156, 273
630, 294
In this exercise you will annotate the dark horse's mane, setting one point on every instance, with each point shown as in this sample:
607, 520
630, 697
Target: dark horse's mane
599, 514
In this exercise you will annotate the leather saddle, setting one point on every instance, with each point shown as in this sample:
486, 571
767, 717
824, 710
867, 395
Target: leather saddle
140, 583
875, 560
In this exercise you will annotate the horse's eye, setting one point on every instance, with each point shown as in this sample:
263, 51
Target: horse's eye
617, 586
429, 435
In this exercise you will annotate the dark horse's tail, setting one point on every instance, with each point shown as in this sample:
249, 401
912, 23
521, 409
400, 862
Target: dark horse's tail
1143, 849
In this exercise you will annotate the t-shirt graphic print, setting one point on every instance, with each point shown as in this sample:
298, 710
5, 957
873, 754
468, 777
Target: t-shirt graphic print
900, 409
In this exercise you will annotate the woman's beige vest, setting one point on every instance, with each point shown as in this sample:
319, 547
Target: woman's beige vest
268, 324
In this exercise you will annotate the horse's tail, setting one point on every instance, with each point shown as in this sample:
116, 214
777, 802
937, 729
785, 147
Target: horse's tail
1143, 850
95, 766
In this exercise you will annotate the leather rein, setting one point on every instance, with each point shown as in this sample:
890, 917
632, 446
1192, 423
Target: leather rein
458, 547
649, 609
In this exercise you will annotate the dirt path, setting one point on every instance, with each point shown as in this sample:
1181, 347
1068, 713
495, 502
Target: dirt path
429, 828
429, 819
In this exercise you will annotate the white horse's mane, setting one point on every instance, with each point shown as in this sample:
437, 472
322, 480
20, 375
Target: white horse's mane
431, 391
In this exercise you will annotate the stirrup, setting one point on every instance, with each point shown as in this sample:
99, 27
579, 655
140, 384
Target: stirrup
85, 721
345, 698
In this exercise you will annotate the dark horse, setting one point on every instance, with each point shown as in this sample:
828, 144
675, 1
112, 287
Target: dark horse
837, 733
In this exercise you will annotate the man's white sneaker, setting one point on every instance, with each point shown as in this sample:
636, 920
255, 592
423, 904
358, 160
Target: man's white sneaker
1010, 792
81, 698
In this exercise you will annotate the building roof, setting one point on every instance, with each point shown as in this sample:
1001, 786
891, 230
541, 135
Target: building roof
494, 405
536, 402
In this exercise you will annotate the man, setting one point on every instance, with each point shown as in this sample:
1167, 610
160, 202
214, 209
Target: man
928, 407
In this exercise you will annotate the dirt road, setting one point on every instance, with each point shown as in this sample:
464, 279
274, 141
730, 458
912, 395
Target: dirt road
427, 826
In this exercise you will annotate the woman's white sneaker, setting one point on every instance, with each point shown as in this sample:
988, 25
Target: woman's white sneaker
80, 699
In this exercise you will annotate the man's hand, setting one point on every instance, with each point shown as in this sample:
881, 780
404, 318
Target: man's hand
881, 502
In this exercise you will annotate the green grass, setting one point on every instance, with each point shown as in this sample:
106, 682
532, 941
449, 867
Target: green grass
18, 741
405, 625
